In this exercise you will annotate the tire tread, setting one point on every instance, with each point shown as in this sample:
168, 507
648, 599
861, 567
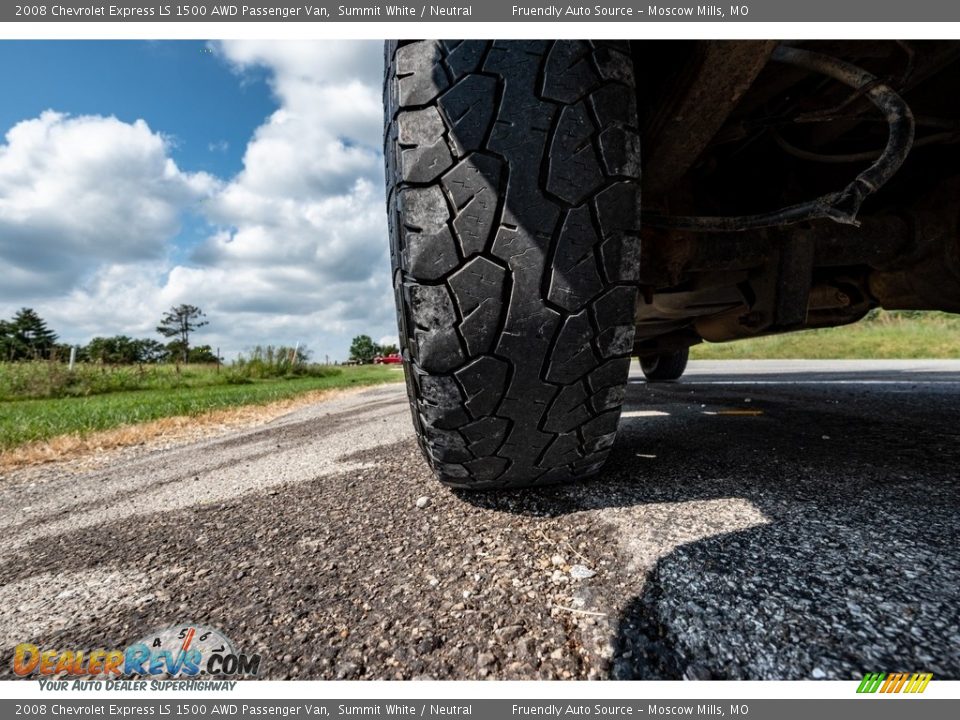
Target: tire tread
512, 194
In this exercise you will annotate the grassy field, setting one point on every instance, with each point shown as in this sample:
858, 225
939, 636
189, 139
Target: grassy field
40, 401
882, 335
37, 401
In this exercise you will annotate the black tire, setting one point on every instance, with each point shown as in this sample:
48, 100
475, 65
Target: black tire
513, 199
666, 366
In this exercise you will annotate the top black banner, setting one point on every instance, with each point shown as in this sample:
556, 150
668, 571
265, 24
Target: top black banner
486, 11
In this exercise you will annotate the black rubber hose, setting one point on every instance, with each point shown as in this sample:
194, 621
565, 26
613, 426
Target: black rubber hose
842, 206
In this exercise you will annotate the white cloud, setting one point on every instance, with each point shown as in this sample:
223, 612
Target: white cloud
303, 251
300, 252
78, 191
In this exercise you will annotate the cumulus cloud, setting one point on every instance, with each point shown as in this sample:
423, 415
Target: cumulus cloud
298, 245
303, 247
78, 191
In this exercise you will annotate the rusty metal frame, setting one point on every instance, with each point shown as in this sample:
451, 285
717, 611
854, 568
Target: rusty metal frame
683, 129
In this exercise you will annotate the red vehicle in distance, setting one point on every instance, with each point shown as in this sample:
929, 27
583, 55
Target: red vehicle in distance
391, 359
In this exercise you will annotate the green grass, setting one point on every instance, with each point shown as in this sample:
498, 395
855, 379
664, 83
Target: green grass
39, 401
882, 335
164, 393
38, 380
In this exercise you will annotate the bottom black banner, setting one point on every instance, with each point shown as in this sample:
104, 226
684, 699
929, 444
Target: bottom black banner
873, 707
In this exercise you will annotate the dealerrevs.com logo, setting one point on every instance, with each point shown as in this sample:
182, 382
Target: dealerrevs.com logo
187, 650
887, 683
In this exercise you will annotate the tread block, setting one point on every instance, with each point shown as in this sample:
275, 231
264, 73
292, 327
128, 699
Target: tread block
557, 475
524, 447
523, 122
427, 155
423, 209
441, 402
473, 185
590, 465
620, 152
488, 468
617, 212
569, 73
478, 289
574, 278
612, 373
431, 306
479, 328
526, 401
456, 471
609, 398
447, 446
428, 257
478, 281
616, 104
600, 432
529, 324
469, 109
568, 411
564, 449
614, 312
432, 311
438, 350
574, 173
614, 306
483, 382
573, 355
616, 341
420, 76
485, 436
614, 64
465, 57
419, 127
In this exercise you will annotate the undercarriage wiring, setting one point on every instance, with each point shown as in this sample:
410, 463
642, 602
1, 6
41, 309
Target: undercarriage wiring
841, 206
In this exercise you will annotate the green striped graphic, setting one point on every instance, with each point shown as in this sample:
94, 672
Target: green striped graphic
871, 682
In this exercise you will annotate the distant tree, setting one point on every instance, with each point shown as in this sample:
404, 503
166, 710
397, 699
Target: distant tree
202, 354
150, 351
27, 337
173, 351
123, 350
363, 349
6, 341
179, 322
389, 349
61, 352
116, 350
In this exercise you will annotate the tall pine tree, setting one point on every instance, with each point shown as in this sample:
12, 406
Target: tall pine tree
178, 323
27, 337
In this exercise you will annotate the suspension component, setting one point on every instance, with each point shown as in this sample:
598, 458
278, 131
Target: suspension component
844, 205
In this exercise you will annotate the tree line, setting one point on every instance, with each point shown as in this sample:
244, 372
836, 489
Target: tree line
27, 336
363, 349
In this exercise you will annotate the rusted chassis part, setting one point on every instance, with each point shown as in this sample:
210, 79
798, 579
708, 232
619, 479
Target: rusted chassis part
719, 286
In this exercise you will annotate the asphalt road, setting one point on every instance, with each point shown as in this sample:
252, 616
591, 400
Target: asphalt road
764, 520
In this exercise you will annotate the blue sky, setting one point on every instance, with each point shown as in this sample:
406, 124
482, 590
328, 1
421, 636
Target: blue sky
183, 89
242, 176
